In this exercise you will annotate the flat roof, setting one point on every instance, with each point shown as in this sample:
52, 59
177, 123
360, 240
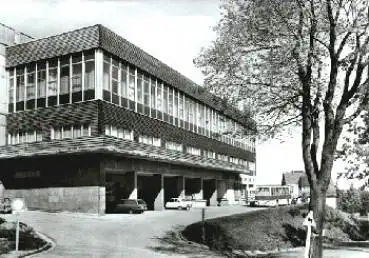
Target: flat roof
98, 36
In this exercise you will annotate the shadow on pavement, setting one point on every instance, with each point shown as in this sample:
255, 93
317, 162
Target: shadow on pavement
173, 243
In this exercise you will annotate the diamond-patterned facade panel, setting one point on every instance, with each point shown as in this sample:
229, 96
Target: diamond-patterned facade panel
59, 45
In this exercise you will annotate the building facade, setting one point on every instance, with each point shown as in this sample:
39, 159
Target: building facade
91, 118
8, 37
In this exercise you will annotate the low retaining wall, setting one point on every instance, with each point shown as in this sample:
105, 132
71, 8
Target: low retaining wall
88, 199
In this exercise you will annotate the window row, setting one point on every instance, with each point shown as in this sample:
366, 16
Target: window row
70, 132
67, 79
174, 146
171, 145
129, 87
149, 140
119, 132
24, 137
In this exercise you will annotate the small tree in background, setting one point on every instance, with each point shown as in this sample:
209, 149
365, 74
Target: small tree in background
296, 63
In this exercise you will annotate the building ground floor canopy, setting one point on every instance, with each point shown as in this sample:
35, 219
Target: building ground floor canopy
94, 182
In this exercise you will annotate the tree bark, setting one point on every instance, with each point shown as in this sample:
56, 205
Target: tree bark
317, 205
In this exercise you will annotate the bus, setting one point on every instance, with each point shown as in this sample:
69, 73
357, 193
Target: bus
272, 195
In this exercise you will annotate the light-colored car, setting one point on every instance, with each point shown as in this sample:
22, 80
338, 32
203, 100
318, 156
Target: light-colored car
178, 203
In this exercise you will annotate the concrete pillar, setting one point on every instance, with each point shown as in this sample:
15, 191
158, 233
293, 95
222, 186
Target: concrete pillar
181, 187
230, 192
2, 189
159, 200
101, 200
133, 194
221, 191
214, 196
201, 192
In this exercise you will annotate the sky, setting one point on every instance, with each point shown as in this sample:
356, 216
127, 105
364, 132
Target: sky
173, 31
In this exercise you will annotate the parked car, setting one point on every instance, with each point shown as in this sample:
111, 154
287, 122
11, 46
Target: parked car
5, 205
131, 206
178, 203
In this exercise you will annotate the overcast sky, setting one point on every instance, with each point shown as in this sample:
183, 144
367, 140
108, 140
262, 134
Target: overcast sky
171, 30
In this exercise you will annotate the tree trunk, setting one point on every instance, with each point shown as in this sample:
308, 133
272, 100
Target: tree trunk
317, 204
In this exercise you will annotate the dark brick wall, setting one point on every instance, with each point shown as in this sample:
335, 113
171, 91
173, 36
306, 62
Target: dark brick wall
111, 114
44, 118
55, 171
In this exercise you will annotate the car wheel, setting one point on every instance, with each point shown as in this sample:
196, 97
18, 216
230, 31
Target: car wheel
130, 211
179, 208
188, 207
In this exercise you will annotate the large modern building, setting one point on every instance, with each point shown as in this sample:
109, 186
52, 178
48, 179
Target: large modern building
92, 118
8, 37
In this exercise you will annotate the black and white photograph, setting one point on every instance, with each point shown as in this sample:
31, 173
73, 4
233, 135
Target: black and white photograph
184, 128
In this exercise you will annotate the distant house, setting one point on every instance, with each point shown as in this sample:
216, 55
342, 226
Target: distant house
331, 196
292, 180
304, 186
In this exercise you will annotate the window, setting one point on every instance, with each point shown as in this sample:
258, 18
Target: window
149, 140
153, 93
52, 83
11, 94
123, 81
115, 72
180, 107
68, 132
165, 99
77, 73
20, 85
41, 80
170, 101
146, 91
106, 78
159, 97
125, 134
31, 83
175, 104
114, 131
193, 151
24, 137
89, 77
222, 157
174, 146
119, 132
139, 88
209, 154
131, 84
77, 132
64, 75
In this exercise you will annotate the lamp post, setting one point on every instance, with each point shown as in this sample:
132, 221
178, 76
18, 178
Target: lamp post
17, 206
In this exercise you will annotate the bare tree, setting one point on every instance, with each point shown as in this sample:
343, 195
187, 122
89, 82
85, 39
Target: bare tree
297, 63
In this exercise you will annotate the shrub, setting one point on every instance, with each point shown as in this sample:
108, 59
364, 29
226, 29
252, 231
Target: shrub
364, 196
294, 211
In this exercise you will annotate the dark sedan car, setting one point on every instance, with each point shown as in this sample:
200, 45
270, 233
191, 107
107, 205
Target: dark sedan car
130, 206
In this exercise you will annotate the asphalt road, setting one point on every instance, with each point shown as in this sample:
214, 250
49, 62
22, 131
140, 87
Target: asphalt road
119, 235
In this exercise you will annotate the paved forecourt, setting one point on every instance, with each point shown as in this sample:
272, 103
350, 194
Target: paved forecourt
115, 235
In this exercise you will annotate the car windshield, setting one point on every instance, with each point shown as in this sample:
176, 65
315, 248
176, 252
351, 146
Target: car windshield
174, 200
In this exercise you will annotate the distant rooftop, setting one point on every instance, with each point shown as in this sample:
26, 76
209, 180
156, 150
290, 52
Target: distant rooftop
10, 36
292, 177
